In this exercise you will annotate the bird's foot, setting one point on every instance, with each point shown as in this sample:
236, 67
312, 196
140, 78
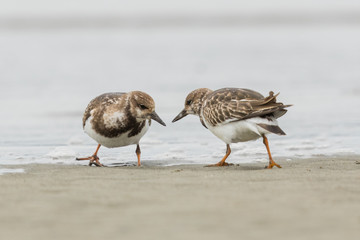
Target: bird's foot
271, 165
93, 160
220, 164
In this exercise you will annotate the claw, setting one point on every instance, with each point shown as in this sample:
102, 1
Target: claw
222, 163
94, 159
271, 165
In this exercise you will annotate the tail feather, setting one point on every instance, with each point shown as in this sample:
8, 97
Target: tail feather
272, 128
279, 113
270, 99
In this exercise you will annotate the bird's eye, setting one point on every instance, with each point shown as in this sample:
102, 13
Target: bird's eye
188, 102
143, 107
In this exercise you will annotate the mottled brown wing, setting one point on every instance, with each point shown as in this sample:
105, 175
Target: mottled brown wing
103, 99
239, 104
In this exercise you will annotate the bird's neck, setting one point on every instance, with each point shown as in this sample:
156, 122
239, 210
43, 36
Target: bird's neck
200, 103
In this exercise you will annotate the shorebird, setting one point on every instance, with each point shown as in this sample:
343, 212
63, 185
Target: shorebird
118, 119
236, 115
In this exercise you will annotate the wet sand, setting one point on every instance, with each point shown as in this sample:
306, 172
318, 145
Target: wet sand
306, 199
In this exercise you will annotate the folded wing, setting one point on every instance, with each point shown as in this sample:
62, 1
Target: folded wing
241, 104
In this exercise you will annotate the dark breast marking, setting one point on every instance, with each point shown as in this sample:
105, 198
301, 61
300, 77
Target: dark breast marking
137, 128
128, 123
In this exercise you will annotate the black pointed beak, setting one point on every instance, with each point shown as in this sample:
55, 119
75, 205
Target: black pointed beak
182, 114
156, 117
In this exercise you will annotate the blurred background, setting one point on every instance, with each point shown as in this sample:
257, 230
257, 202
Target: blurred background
55, 56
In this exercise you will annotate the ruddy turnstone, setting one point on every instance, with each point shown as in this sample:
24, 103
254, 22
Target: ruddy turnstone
118, 119
236, 115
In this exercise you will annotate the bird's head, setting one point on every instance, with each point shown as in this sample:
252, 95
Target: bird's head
193, 103
144, 107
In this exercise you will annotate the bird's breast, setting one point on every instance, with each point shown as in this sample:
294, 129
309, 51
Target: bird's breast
232, 132
116, 135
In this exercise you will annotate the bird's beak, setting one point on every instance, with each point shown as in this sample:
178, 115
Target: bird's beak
182, 114
156, 117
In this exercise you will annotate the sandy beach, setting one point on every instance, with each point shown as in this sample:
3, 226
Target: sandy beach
306, 199
56, 56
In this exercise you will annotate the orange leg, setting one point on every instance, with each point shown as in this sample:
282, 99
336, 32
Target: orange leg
138, 153
222, 162
271, 161
94, 159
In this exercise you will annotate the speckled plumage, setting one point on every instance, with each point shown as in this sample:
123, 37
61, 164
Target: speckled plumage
111, 115
235, 114
119, 119
234, 104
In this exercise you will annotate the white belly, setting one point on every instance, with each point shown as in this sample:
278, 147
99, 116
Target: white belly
120, 141
239, 131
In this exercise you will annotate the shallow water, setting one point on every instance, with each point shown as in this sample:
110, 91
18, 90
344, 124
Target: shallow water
49, 76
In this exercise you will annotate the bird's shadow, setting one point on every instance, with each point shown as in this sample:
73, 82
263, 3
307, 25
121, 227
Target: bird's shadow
243, 167
250, 167
121, 164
